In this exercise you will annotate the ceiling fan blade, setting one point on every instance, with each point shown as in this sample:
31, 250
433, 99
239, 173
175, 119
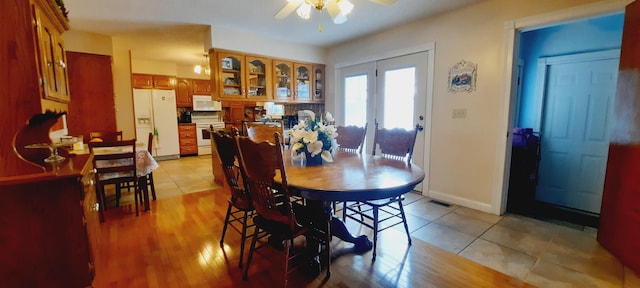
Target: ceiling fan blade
334, 12
385, 2
287, 9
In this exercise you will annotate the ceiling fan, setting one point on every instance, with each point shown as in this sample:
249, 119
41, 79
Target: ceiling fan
338, 9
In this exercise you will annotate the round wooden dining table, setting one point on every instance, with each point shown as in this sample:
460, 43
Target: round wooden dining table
352, 177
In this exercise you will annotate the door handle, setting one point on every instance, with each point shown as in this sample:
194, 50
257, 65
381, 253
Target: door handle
419, 127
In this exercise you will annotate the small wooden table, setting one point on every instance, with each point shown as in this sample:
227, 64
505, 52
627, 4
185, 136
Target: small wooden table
352, 177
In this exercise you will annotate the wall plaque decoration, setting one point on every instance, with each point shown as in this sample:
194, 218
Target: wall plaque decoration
462, 77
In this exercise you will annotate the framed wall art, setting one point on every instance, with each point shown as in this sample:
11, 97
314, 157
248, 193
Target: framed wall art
462, 77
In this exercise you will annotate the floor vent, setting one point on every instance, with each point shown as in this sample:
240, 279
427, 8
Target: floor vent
439, 203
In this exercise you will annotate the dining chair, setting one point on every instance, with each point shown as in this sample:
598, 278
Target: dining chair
263, 131
106, 136
275, 213
396, 144
351, 138
150, 182
239, 209
114, 167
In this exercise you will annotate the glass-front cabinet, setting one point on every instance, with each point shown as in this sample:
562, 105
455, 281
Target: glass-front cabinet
318, 83
231, 75
282, 79
302, 82
247, 77
259, 85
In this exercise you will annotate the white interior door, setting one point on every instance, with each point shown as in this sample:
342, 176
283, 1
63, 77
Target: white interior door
392, 92
575, 128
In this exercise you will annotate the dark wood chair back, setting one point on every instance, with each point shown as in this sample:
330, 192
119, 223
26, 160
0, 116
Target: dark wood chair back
227, 150
150, 143
260, 132
351, 138
395, 143
106, 136
121, 165
260, 162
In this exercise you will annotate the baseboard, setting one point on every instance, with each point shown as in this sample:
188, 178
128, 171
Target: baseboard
447, 198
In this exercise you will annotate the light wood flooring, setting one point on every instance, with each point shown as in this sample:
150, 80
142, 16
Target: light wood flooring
176, 244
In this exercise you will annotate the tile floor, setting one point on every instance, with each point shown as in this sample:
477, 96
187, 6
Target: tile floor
541, 253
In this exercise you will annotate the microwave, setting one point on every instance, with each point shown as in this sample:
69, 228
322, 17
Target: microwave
204, 103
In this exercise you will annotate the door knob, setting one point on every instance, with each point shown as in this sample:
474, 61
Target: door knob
419, 127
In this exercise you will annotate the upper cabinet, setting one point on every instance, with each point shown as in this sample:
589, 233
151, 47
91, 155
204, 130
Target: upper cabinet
231, 75
283, 79
147, 81
184, 92
259, 83
302, 82
201, 86
318, 83
245, 77
51, 53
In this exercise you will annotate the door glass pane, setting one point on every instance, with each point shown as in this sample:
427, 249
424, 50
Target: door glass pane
355, 100
399, 95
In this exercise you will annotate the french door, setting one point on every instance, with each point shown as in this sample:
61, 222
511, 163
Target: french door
391, 92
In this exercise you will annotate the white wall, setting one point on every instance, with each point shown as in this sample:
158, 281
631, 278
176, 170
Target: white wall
87, 42
466, 159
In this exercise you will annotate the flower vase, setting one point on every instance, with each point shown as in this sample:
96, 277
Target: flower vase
313, 161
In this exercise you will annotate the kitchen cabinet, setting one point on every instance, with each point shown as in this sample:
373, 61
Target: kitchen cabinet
183, 92
246, 77
243, 77
282, 79
302, 82
230, 76
52, 56
318, 83
201, 86
148, 81
188, 139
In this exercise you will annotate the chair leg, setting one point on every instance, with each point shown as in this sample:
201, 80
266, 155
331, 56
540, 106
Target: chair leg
153, 186
251, 250
344, 212
118, 194
328, 247
404, 221
226, 222
375, 232
135, 196
245, 217
287, 246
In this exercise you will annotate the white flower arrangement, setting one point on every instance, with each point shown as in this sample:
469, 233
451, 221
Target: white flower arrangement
314, 137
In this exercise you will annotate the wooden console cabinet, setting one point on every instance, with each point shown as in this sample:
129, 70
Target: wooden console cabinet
49, 226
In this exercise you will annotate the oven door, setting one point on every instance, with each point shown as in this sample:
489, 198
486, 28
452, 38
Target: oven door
204, 139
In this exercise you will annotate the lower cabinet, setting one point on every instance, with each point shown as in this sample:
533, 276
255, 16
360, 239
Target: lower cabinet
49, 227
188, 139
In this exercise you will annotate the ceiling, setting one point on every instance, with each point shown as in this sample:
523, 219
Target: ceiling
173, 30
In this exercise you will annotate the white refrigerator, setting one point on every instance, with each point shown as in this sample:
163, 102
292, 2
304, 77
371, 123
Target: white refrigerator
155, 112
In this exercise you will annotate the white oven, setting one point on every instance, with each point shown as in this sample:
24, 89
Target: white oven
203, 122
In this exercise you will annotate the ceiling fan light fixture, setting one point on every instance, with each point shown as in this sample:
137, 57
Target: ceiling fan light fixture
304, 11
345, 6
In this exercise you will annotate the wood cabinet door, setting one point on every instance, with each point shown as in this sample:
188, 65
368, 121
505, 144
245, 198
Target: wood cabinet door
231, 75
164, 82
142, 81
53, 64
282, 80
201, 86
183, 93
318, 83
258, 78
302, 82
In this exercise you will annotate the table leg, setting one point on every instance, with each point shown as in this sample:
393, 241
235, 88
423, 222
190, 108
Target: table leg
339, 229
